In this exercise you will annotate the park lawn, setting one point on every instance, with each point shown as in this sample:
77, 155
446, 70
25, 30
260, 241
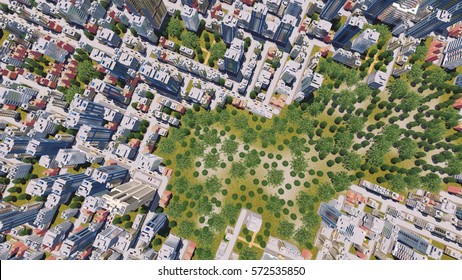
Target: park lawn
4, 37
38, 170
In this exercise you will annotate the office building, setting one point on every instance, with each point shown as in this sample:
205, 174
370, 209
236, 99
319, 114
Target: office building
399, 12
12, 217
258, 19
96, 10
190, 18
49, 147
413, 240
233, 56
365, 40
294, 8
229, 29
154, 10
285, 28
128, 197
156, 224
170, 250
330, 215
352, 26
434, 22
94, 135
331, 9
376, 7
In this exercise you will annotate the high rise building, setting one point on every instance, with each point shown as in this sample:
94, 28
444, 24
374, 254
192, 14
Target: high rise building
80, 240
285, 29
311, 82
352, 26
75, 12
233, 56
329, 214
56, 234
154, 10
190, 18
229, 29
157, 223
258, 19
434, 22
399, 12
111, 92
376, 7
331, 9
143, 27
365, 40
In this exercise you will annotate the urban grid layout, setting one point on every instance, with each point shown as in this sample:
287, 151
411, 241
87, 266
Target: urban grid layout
231, 129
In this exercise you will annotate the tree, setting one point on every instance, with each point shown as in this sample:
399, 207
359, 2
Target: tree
275, 177
71, 92
86, 72
325, 144
343, 140
325, 191
133, 31
190, 40
340, 180
238, 170
216, 36
212, 160
407, 148
230, 212
274, 203
183, 162
352, 161
229, 147
217, 51
206, 37
397, 183
248, 254
298, 164
217, 222
204, 254
286, 229
355, 124
305, 202
252, 159
186, 228
213, 185
175, 27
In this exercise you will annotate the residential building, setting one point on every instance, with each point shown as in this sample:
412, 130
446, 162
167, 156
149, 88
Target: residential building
331, 9
160, 79
365, 40
107, 237
170, 250
377, 79
352, 26
190, 18
80, 240
294, 8
111, 92
154, 10
51, 49
413, 240
45, 216
143, 27
56, 234
453, 54
70, 157
233, 56
311, 82
108, 37
148, 162
347, 57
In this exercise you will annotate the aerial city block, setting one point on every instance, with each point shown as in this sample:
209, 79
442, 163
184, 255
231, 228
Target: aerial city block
231, 129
